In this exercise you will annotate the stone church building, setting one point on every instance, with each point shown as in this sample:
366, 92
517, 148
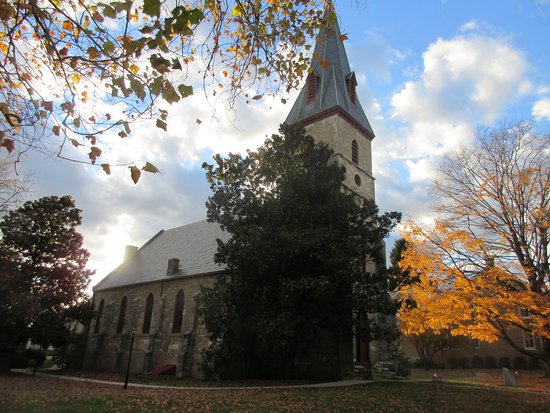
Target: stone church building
149, 299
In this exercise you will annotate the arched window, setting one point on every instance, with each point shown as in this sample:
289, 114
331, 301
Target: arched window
312, 85
121, 315
354, 152
148, 314
178, 312
98, 318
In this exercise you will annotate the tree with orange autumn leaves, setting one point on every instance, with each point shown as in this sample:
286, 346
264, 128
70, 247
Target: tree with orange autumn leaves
72, 72
483, 264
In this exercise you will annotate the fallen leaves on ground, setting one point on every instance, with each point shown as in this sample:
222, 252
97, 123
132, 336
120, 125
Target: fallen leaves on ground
24, 394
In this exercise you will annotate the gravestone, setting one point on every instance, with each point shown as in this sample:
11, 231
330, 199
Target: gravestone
509, 379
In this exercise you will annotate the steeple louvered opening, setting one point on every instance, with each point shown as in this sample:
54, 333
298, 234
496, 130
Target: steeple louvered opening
312, 85
351, 84
330, 86
354, 152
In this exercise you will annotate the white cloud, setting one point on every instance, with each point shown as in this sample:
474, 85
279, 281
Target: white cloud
420, 170
115, 211
465, 81
541, 109
469, 26
469, 79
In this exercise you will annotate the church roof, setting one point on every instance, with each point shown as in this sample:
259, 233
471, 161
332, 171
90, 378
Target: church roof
193, 244
330, 64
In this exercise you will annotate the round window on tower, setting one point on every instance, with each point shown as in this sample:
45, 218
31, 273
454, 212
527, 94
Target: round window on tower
357, 180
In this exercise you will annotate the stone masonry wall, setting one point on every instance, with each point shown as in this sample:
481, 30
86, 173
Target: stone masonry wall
339, 134
109, 351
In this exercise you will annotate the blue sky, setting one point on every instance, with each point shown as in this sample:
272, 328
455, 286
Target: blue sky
429, 73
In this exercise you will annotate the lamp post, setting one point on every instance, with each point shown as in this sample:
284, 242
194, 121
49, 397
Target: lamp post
127, 377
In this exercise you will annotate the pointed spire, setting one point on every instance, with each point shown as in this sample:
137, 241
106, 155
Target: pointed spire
330, 86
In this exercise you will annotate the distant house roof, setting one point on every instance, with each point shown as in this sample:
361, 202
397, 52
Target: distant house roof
330, 65
193, 244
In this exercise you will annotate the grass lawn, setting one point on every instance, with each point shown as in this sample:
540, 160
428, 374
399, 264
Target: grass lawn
46, 394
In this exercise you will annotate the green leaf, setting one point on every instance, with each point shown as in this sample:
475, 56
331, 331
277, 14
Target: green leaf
108, 47
159, 63
151, 7
109, 12
149, 167
169, 94
176, 64
161, 124
156, 85
137, 87
185, 90
147, 30
195, 16
122, 6
76, 122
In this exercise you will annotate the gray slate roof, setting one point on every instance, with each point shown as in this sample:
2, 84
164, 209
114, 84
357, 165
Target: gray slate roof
193, 244
332, 92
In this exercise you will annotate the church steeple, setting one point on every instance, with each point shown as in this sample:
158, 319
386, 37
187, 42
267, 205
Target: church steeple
329, 109
330, 86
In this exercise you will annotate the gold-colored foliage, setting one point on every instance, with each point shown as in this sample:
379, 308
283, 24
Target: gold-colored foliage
483, 263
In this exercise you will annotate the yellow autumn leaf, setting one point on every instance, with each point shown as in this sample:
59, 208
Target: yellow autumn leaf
67, 25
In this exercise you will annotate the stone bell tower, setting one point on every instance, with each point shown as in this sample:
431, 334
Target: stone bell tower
329, 108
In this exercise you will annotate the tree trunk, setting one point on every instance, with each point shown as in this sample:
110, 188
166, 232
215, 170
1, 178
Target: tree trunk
546, 361
6, 356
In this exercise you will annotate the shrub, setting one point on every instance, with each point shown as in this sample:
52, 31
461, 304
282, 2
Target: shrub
504, 362
37, 356
452, 362
477, 362
490, 362
534, 364
403, 365
19, 361
70, 354
419, 364
520, 362
463, 362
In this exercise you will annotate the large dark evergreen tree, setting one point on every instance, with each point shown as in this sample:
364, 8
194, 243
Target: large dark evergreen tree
298, 249
43, 273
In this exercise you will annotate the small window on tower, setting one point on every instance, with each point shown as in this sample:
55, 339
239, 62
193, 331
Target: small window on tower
354, 152
357, 180
312, 84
